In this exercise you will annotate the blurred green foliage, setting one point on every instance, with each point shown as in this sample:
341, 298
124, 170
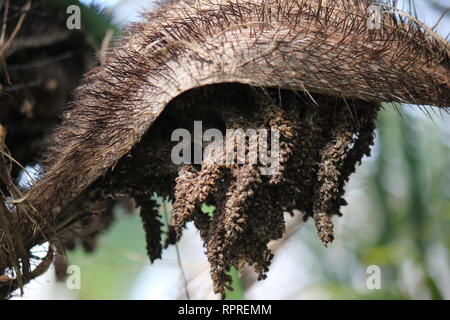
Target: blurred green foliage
111, 270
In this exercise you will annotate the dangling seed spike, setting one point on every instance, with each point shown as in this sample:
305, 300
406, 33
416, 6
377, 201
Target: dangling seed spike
152, 227
324, 227
328, 189
191, 190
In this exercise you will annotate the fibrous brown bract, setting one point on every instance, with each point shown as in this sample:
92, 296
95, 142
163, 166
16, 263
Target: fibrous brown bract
310, 69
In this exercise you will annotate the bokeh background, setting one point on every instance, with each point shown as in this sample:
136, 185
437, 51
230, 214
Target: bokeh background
398, 218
